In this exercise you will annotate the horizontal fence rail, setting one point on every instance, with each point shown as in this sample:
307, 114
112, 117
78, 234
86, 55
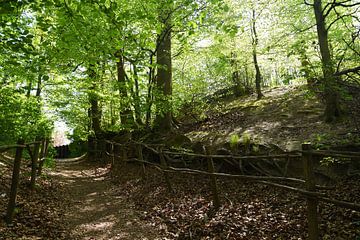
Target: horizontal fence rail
306, 154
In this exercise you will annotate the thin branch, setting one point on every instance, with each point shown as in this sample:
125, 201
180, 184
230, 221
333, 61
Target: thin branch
352, 48
331, 7
351, 70
342, 4
307, 3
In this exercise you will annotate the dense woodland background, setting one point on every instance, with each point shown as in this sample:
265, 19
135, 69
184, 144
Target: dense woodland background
105, 66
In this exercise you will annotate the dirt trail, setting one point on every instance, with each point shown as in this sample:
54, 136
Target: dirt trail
96, 211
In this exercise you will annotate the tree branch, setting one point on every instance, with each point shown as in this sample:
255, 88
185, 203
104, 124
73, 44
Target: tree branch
309, 4
351, 70
331, 7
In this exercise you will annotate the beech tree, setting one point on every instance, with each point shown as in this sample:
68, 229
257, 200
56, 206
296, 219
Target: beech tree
164, 71
330, 80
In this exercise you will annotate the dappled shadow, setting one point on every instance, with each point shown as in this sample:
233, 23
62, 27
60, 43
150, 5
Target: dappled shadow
95, 211
283, 116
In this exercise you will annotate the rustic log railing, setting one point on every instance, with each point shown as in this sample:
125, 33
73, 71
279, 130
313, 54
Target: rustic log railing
306, 154
34, 155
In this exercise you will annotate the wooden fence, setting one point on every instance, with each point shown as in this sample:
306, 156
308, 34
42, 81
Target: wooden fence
313, 197
37, 154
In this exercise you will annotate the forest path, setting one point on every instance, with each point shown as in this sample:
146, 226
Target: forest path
96, 211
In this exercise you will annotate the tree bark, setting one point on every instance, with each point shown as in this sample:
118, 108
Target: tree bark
95, 111
238, 86
149, 98
163, 119
255, 42
34, 164
38, 89
112, 114
126, 115
137, 97
94, 116
332, 109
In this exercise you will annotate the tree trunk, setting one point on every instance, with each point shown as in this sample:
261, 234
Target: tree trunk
38, 89
14, 183
95, 111
35, 157
256, 64
248, 88
163, 119
149, 98
137, 97
126, 115
238, 87
112, 114
34, 164
332, 109
94, 116
29, 88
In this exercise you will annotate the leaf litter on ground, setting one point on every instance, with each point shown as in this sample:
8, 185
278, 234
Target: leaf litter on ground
248, 211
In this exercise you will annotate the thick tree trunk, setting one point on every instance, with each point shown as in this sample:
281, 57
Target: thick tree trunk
332, 109
95, 110
256, 64
163, 119
126, 115
94, 116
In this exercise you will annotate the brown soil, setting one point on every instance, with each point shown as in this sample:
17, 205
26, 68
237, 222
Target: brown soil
95, 211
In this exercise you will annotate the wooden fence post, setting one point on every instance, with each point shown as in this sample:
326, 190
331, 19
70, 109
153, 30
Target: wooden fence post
112, 151
43, 155
213, 183
166, 174
34, 164
14, 183
312, 202
141, 158
124, 155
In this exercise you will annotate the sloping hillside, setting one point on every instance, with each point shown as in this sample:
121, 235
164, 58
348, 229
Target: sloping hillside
286, 117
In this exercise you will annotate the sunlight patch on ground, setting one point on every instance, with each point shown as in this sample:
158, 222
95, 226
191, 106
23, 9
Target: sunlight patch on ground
97, 226
92, 194
92, 208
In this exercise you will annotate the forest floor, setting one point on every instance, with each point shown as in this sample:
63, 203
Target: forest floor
85, 202
248, 211
75, 202
96, 211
